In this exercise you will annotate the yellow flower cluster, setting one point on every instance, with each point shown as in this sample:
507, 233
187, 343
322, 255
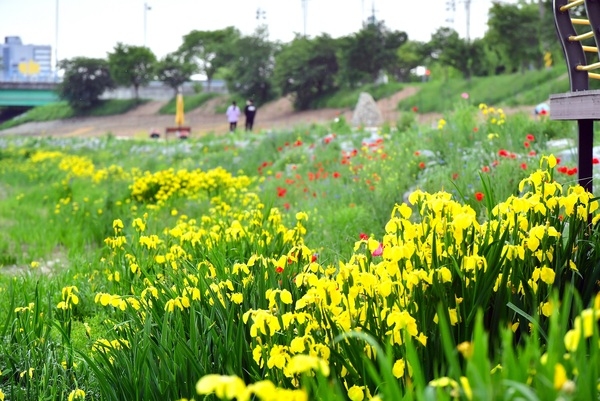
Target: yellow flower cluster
493, 116
69, 298
584, 326
230, 387
160, 186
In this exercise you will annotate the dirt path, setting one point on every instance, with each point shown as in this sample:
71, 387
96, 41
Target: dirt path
141, 121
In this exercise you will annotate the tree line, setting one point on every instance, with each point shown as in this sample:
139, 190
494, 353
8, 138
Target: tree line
253, 66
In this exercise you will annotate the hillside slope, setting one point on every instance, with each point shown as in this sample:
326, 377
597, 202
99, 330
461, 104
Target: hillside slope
140, 121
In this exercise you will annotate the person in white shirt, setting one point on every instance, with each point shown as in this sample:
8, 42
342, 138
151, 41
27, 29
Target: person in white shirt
233, 114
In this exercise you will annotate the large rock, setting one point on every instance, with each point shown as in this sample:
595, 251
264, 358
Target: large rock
366, 112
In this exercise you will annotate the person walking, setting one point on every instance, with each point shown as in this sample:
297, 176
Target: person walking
233, 114
250, 112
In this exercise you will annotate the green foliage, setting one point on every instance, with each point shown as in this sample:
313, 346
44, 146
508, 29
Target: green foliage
369, 52
517, 51
501, 90
131, 65
250, 73
346, 97
209, 50
189, 102
62, 111
85, 79
409, 56
176, 251
174, 70
306, 68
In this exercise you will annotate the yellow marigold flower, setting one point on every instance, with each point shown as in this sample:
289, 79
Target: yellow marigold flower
466, 349
356, 393
286, 297
571, 340
139, 224
399, 367
464, 383
237, 298
547, 275
303, 363
546, 308
76, 394
117, 225
301, 216
443, 382
444, 275
454, 318
224, 387
560, 376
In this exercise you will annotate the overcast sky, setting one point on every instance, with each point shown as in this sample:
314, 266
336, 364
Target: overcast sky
92, 28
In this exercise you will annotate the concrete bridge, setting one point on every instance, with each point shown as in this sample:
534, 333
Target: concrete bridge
38, 93
27, 94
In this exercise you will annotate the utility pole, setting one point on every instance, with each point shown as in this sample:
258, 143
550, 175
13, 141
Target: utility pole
56, 39
146, 9
468, 15
304, 11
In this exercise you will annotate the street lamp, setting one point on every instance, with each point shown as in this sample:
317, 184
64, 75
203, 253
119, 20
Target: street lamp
146, 9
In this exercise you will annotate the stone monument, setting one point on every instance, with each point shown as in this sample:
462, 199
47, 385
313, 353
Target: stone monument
366, 112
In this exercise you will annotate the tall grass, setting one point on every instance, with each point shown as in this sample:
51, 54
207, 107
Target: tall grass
500, 90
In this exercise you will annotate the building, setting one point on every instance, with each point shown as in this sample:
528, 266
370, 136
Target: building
19, 62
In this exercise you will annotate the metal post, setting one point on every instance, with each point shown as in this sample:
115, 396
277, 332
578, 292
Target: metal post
56, 40
146, 8
585, 153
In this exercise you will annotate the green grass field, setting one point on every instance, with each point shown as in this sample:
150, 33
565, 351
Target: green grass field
457, 261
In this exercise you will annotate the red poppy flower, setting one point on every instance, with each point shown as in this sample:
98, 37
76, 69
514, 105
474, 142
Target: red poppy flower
524, 166
532, 153
314, 257
364, 236
572, 171
475, 129
503, 153
336, 175
286, 206
595, 160
417, 153
485, 169
530, 137
415, 109
281, 192
562, 169
479, 196
526, 144
422, 165
454, 176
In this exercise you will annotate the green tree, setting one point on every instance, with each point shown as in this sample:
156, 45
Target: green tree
408, 56
306, 68
174, 70
368, 52
84, 81
518, 48
132, 65
250, 71
450, 50
209, 50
